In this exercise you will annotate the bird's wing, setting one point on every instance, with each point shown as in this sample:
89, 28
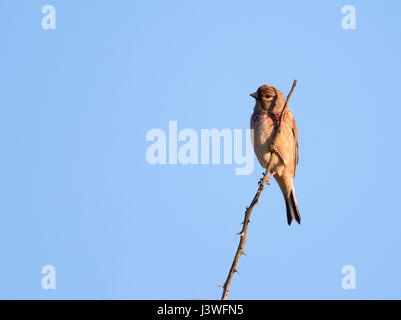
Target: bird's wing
295, 137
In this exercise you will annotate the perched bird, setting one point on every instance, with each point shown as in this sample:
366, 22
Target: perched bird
264, 121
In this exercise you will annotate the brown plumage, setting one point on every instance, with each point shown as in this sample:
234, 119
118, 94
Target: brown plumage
266, 114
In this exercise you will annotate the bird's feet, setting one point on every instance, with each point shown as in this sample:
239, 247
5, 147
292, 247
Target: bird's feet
267, 180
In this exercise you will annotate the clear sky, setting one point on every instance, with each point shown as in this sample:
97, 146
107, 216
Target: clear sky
76, 190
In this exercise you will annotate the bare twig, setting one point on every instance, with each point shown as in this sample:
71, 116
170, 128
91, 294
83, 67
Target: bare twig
248, 211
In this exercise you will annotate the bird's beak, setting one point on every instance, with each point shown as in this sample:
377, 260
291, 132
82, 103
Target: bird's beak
254, 95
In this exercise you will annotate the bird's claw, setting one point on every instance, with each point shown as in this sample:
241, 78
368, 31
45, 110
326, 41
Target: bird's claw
267, 181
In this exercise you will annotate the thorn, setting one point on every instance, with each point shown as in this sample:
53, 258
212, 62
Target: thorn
243, 252
239, 234
236, 270
221, 285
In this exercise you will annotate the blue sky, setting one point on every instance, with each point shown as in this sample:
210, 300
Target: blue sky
76, 189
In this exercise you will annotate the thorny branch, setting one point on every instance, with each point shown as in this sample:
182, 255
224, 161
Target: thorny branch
242, 234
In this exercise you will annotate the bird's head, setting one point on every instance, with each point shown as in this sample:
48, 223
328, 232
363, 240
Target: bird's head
269, 98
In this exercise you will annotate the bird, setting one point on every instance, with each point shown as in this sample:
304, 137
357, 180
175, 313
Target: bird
269, 103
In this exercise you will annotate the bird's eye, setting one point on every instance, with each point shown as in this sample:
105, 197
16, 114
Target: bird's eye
267, 96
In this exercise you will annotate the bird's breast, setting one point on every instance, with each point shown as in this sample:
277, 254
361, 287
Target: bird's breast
262, 125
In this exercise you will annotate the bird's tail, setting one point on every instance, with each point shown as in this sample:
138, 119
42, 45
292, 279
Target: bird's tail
292, 208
